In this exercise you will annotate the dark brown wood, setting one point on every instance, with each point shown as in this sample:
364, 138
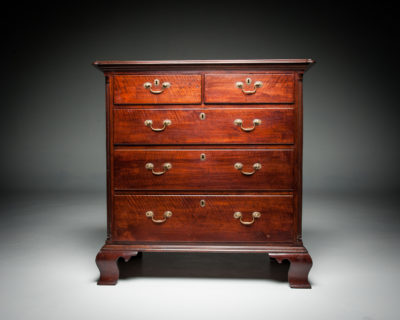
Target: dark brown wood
299, 156
300, 266
110, 151
216, 172
187, 246
130, 89
218, 127
107, 263
185, 65
209, 87
212, 222
276, 88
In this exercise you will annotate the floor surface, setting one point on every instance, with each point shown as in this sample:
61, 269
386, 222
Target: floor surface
49, 242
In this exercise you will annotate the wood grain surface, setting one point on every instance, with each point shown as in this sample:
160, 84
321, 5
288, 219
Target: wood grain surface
129, 89
276, 88
213, 222
216, 172
218, 127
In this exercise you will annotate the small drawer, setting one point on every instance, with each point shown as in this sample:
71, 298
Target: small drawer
204, 126
205, 218
157, 89
249, 88
203, 169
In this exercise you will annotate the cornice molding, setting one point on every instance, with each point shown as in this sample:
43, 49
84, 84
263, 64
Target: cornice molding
198, 65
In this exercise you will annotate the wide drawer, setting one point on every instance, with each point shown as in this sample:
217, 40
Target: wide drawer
249, 88
204, 126
205, 169
157, 89
147, 218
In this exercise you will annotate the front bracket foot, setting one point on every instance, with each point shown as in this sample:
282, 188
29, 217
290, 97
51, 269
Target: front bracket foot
300, 265
106, 261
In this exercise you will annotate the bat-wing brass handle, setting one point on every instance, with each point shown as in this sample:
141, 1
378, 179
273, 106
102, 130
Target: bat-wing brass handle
239, 166
164, 86
255, 215
257, 84
166, 123
239, 122
167, 166
167, 214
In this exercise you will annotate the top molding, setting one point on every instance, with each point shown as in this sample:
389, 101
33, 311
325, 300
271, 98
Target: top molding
266, 64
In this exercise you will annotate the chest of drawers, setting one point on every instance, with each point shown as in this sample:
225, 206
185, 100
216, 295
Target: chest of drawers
204, 156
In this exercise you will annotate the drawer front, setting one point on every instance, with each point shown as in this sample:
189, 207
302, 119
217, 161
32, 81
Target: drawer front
203, 218
183, 169
204, 126
274, 88
156, 89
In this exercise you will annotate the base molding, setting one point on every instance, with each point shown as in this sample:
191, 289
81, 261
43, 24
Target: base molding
300, 260
205, 247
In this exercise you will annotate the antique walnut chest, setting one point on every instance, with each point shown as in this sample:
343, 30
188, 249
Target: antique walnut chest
204, 156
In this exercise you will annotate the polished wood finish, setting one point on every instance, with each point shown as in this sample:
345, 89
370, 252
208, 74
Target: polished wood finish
204, 192
300, 65
183, 89
213, 222
187, 127
276, 88
300, 266
216, 172
107, 263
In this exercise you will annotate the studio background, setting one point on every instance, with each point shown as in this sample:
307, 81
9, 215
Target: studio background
53, 160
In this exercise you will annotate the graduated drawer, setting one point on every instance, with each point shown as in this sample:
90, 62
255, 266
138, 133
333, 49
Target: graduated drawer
184, 169
202, 218
204, 126
157, 89
249, 88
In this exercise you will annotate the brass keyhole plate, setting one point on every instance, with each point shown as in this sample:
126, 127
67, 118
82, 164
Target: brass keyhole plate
202, 203
203, 157
202, 116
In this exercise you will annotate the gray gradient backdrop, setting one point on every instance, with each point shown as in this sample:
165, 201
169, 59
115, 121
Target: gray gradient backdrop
52, 135
53, 120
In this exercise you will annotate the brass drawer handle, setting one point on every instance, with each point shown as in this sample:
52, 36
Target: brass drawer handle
239, 122
164, 86
167, 166
257, 84
255, 215
167, 214
166, 123
239, 166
